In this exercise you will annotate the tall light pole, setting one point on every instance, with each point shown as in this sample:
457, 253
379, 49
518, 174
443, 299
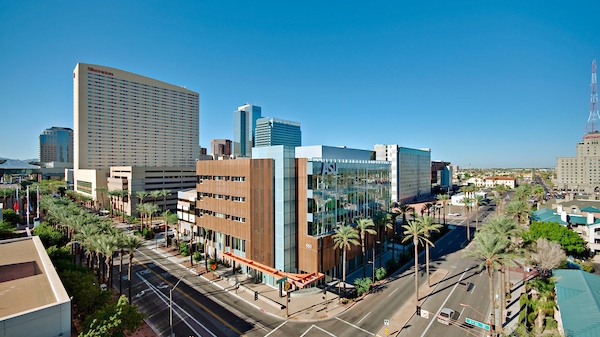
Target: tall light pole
482, 315
171, 304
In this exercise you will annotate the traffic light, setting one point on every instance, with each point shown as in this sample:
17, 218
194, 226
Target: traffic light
256, 295
418, 310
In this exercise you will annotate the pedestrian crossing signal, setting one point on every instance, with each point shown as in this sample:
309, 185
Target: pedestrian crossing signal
418, 310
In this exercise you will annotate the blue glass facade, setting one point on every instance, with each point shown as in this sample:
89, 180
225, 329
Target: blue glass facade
273, 131
345, 190
244, 124
56, 145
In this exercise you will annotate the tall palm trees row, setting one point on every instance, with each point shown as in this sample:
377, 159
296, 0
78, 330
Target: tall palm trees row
119, 197
419, 230
91, 237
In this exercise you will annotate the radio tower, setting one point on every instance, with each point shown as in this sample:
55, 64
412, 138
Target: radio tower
594, 116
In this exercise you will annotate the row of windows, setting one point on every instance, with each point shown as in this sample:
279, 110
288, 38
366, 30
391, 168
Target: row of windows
201, 196
202, 212
201, 178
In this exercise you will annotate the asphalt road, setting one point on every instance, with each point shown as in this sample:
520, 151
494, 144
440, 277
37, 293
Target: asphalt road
212, 312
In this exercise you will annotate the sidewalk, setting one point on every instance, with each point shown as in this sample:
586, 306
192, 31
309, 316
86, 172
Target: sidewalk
305, 304
518, 277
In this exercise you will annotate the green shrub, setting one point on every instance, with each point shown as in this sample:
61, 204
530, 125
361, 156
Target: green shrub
197, 256
403, 258
362, 285
392, 265
147, 233
49, 236
11, 216
587, 266
184, 249
380, 273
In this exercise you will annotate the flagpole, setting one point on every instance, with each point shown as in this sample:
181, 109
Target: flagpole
38, 202
28, 205
17, 199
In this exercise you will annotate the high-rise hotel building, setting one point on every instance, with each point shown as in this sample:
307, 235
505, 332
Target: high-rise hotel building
125, 119
132, 122
582, 172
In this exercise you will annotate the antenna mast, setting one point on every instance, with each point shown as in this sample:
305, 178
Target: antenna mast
594, 116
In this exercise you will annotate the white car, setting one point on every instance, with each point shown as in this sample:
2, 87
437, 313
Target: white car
445, 316
454, 214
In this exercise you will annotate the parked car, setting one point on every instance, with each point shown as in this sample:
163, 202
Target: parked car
445, 316
454, 214
466, 285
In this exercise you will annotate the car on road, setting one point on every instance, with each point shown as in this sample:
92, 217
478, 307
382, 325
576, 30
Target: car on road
466, 285
454, 214
445, 316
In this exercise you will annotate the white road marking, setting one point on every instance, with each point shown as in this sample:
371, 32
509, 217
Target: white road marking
314, 326
164, 299
446, 300
354, 326
363, 318
280, 325
392, 292
461, 312
237, 312
473, 288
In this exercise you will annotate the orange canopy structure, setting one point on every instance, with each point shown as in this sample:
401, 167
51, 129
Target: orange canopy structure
298, 280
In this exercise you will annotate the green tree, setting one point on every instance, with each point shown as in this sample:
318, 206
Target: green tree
164, 193
140, 195
343, 238
497, 200
131, 243
428, 225
404, 210
414, 231
478, 200
6, 193
49, 236
443, 198
539, 192
518, 209
569, 240
11, 217
466, 201
115, 319
365, 226
170, 219
490, 249
102, 191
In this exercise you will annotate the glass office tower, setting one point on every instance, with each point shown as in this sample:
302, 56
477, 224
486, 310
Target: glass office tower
244, 124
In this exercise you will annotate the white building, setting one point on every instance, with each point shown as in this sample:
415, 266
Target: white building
35, 302
411, 171
186, 208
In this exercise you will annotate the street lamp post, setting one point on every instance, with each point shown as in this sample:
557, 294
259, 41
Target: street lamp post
482, 315
171, 304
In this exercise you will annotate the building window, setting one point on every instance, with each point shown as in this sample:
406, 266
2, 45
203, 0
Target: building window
238, 179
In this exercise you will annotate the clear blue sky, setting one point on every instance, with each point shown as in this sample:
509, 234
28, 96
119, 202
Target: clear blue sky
481, 83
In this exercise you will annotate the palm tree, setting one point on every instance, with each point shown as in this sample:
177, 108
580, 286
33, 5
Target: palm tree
102, 191
466, 201
505, 227
392, 217
364, 227
381, 221
414, 231
107, 244
131, 243
518, 209
169, 219
6, 193
343, 238
164, 193
140, 195
497, 199
405, 209
154, 195
490, 249
478, 200
122, 194
150, 211
443, 198
538, 191
142, 209
428, 225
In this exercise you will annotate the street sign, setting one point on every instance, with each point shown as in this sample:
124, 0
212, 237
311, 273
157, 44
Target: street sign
282, 279
424, 313
386, 322
477, 324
